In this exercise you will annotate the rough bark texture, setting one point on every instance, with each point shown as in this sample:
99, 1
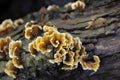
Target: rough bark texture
103, 41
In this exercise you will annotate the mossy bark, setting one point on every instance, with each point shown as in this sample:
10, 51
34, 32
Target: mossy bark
103, 41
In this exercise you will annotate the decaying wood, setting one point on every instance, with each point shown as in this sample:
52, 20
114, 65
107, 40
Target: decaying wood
103, 41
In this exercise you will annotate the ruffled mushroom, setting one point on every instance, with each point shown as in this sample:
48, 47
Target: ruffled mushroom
77, 44
14, 49
29, 24
42, 43
78, 5
59, 56
6, 27
52, 7
49, 29
69, 39
11, 70
18, 22
4, 45
58, 39
32, 49
17, 63
92, 64
31, 30
69, 58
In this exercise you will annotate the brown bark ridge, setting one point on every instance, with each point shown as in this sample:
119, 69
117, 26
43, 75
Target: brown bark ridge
102, 41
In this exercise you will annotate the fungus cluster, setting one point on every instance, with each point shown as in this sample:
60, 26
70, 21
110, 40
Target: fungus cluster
68, 52
31, 30
8, 26
13, 47
96, 23
4, 46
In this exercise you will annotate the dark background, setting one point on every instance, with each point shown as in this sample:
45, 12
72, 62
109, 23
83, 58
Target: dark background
19, 8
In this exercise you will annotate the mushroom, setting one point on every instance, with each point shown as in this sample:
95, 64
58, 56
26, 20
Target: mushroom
11, 70
17, 63
92, 64
18, 22
58, 40
52, 7
31, 30
14, 49
78, 5
4, 45
32, 49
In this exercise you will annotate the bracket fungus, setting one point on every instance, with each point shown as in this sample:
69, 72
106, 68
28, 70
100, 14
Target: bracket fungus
68, 50
31, 30
11, 70
4, 45
52, 7
14, 49
6, 27
14, 53
17, 63
92, 64
18, 22
78, 5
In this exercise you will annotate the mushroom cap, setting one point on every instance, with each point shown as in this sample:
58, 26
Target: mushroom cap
52, 7
90, 65
18, 22
10, 69
12, 48
58, 39
17, 63
78, 5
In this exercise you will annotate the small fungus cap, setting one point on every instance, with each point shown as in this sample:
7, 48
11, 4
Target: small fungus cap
18, 22
17, 63
78, 5
13, 47
10, 69
52, 7
90, 65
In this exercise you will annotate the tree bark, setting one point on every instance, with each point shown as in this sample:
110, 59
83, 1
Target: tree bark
102, 41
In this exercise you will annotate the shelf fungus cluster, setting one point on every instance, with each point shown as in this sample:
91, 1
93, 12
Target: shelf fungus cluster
67, 50
78, 5
8, 26
11, 48
31, 30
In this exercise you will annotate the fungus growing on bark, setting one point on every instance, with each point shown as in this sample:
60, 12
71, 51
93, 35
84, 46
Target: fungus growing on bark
17, 63
31, 30
11, 70
49, 29
32, 49
68, 50
78, 5
6, 27
92, 64
100, 22
58, 40
4, 45
52, 7
18, 22
14, 49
